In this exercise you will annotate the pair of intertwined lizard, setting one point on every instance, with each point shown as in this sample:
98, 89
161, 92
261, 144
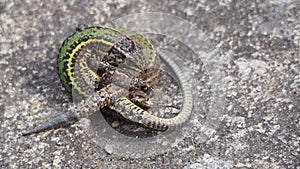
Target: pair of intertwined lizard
113, 67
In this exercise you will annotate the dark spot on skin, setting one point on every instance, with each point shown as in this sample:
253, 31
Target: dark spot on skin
149, 124
73, 46
69, 50
65, 65
158, 125
127, 104
135, 108
66, 57
130, 113
73, 60
139, 118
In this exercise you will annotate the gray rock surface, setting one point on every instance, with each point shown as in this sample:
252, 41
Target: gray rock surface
255, 124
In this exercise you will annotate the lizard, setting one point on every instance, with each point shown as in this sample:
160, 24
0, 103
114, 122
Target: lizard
114, 63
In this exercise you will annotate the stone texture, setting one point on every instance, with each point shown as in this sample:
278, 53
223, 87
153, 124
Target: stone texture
257, 46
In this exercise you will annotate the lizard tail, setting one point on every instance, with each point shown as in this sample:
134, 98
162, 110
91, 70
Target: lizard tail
56, 122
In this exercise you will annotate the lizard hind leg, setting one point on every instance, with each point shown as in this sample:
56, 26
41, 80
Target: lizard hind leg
140, 98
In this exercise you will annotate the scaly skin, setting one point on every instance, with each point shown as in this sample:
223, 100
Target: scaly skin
112, 62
